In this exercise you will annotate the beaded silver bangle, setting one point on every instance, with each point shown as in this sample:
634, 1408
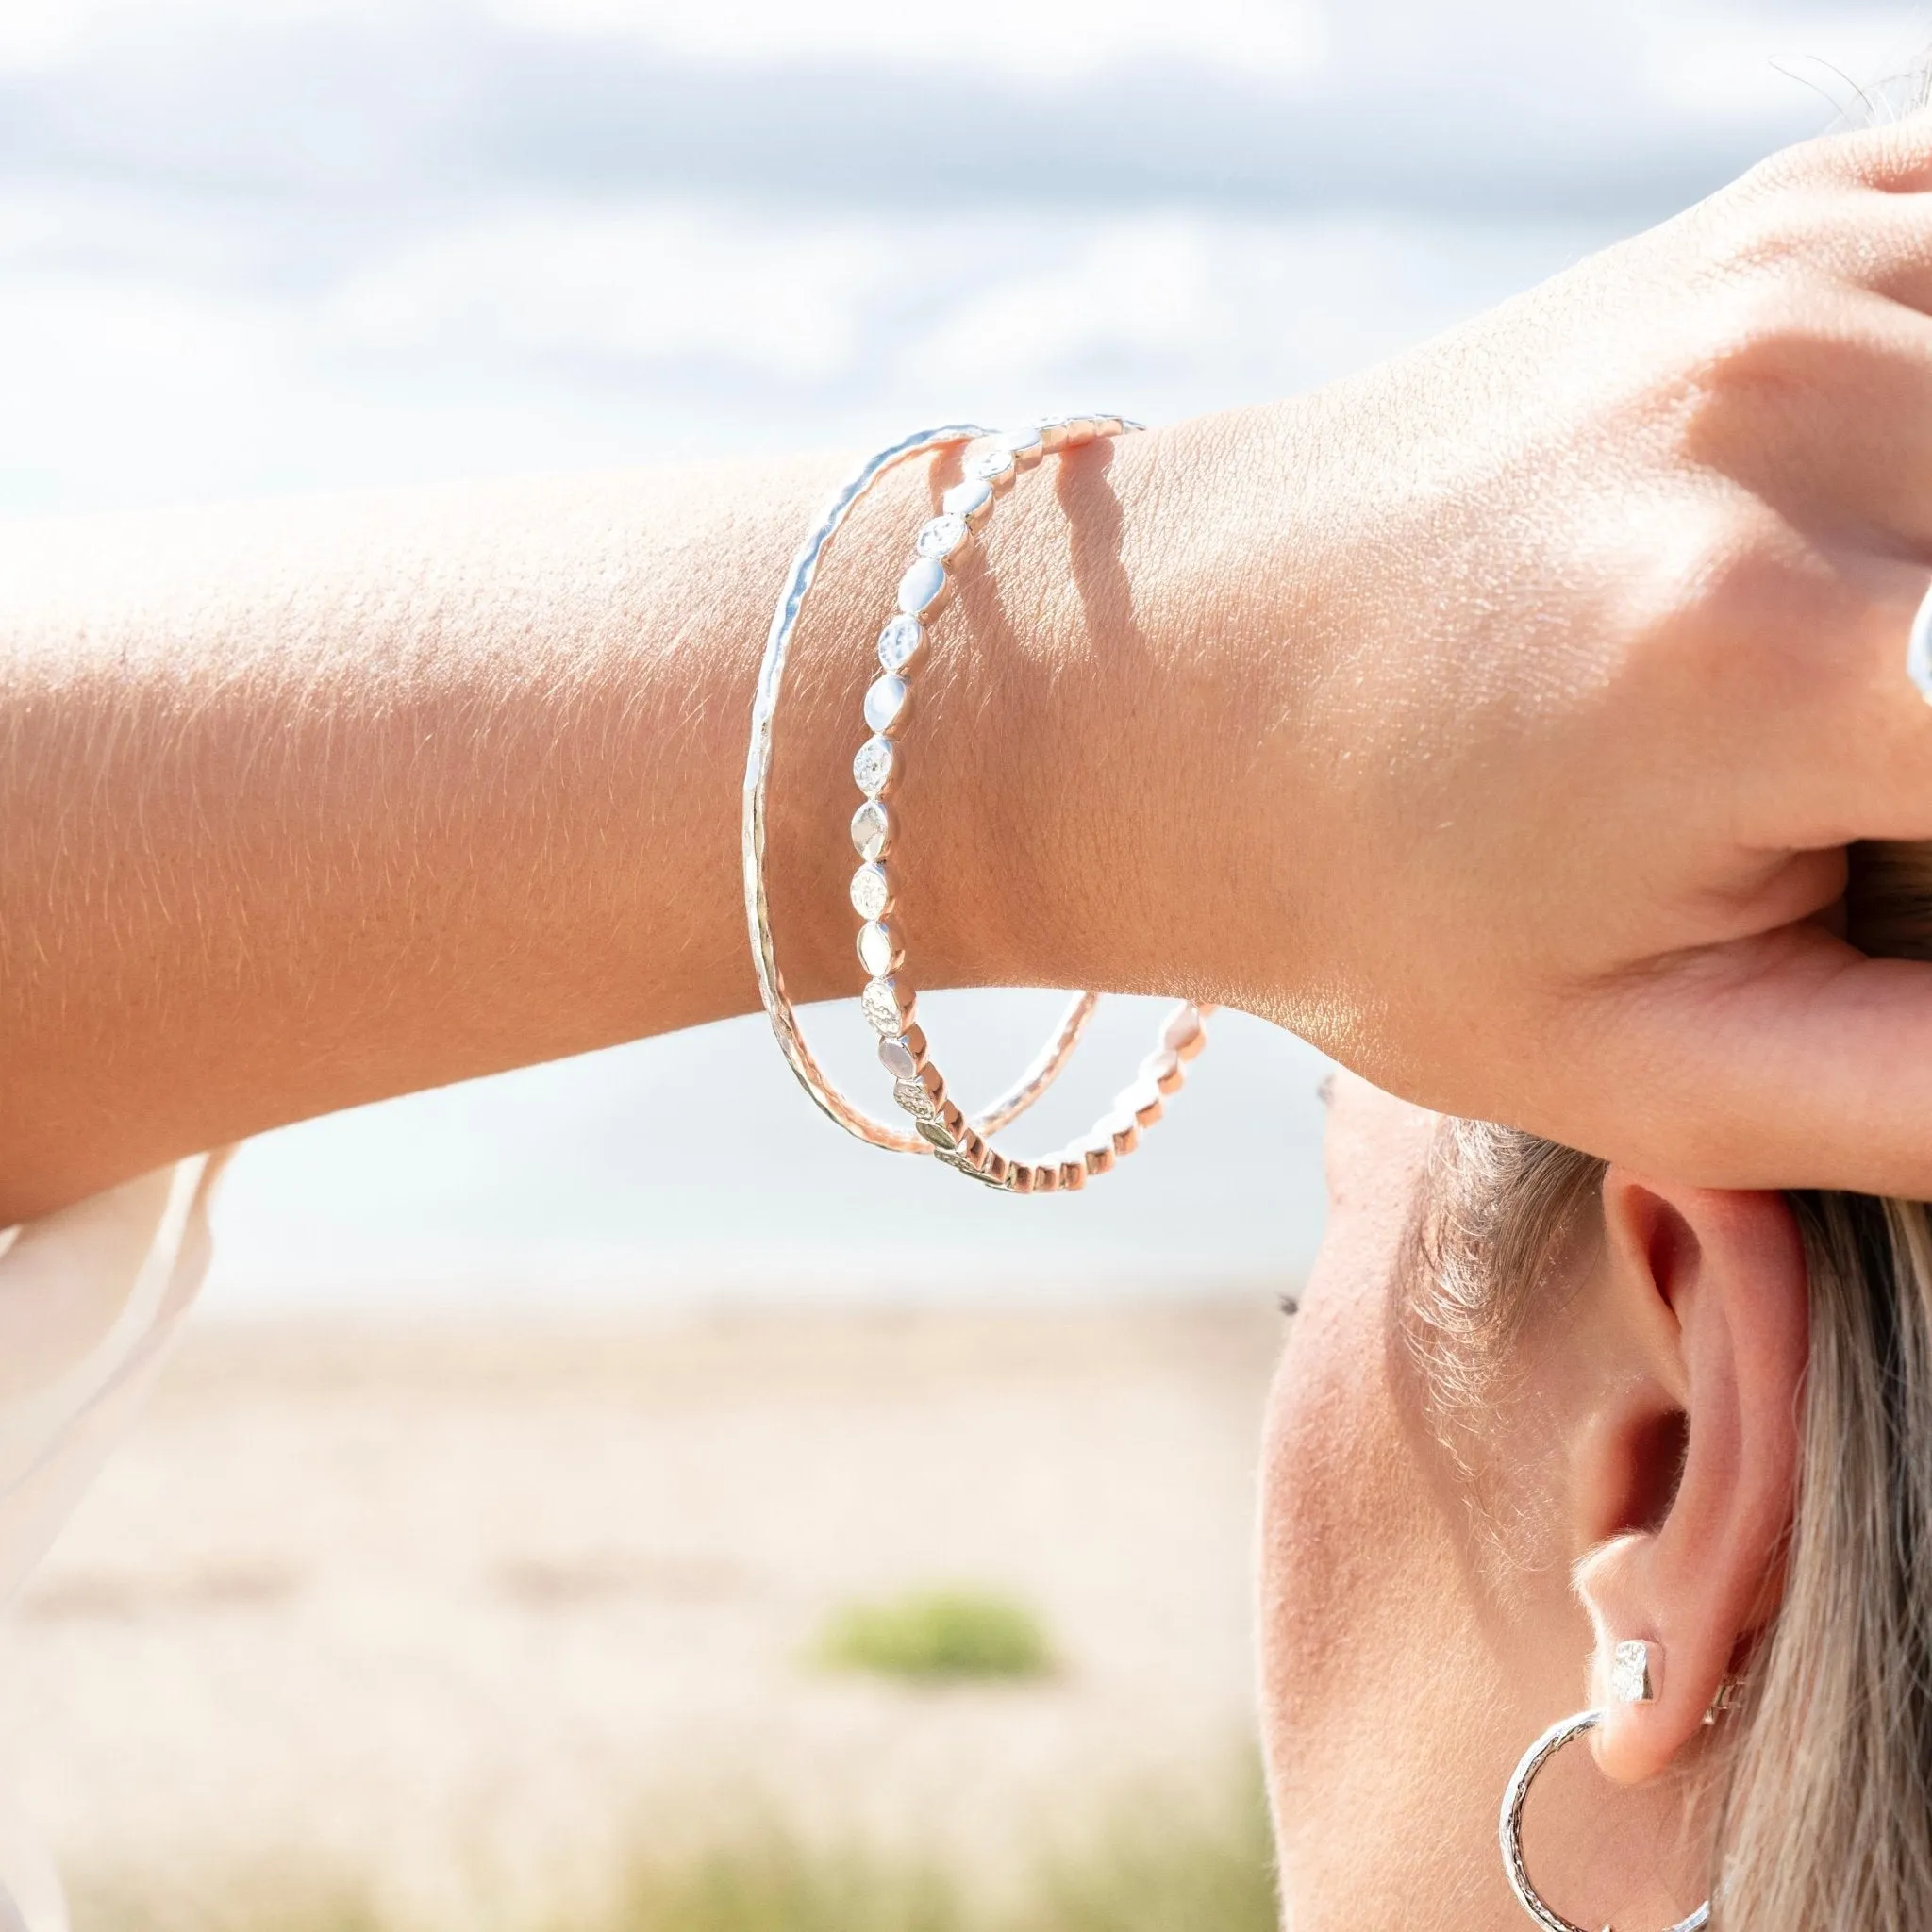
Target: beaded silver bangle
940, 1128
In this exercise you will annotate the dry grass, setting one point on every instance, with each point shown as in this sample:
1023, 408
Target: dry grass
1155, 1867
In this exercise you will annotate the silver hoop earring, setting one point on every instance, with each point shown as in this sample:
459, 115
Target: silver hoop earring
1511, 1829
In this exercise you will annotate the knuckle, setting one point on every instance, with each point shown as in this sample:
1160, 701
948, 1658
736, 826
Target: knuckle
1897, 154
1799, 227
1731, 591
1790, 230
1755, 343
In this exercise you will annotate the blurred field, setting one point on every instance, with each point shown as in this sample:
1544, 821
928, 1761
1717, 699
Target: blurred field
1208, 1870
528, 1627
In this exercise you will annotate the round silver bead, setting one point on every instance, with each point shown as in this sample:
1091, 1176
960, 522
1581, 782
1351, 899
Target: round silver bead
900, 640
871, 768
920, 587
871, 893
884, 701
989, 465
913, 1096
879, 1003
879, 951
941, 537
872, 829
967, 499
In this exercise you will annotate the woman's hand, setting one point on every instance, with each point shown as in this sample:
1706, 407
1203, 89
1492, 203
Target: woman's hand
1585, 660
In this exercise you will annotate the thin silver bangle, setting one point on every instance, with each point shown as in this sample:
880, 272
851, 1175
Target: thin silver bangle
758, 776
940, 1128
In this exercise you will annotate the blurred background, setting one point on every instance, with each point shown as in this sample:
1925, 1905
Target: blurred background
586, 1479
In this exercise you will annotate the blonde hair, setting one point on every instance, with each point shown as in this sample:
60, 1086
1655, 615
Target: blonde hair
1826, 1805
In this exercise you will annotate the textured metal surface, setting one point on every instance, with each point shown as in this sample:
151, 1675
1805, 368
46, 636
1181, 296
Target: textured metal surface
757, 778
1509, 1830
1044, 1071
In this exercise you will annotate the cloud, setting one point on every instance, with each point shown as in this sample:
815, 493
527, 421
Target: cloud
535, 333
1386, 105
257, 244
645, 283
1037, 42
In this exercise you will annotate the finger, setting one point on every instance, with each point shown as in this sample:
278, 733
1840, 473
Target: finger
1789, 1061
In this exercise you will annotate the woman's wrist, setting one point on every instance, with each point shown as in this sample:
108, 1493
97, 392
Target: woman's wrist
1083, 777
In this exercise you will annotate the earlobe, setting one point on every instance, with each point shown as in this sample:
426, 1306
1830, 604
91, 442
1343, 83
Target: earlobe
1694, 1453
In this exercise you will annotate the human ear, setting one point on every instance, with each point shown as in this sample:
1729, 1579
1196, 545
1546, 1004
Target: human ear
1689, 1474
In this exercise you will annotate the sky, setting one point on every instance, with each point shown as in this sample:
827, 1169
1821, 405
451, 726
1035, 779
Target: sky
257, 246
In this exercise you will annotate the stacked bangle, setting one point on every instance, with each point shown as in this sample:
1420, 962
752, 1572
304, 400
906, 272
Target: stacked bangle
940, 1128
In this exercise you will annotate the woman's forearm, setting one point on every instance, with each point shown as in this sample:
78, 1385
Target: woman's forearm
311, 803
1498, 719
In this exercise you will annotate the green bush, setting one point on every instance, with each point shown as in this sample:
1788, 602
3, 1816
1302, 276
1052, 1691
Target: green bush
937, 1636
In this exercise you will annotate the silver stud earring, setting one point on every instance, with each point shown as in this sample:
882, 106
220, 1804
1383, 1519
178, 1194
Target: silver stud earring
1636, 1672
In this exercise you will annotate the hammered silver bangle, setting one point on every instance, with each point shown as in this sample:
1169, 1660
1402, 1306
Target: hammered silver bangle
940, 1128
